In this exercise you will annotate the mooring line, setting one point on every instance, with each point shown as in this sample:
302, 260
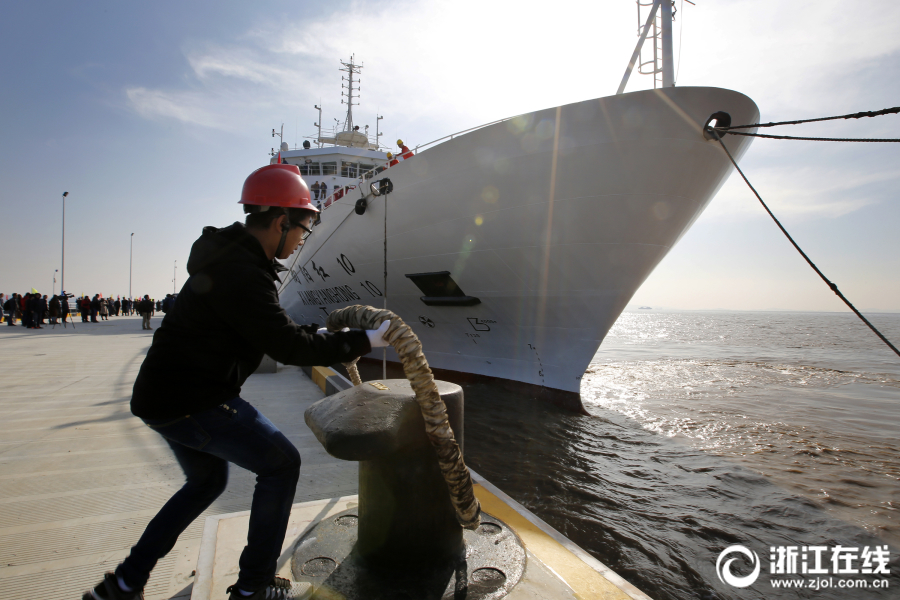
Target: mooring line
858, 115
830, 284
809, 139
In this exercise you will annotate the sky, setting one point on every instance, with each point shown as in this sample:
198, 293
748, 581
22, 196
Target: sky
152, 114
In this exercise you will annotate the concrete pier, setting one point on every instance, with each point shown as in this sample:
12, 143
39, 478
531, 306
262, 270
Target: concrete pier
80, 477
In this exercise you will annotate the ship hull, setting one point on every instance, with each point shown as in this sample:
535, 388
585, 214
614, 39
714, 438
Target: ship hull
551, 220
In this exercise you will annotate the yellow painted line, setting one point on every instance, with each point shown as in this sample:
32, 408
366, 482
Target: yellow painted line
578, 575
320, 374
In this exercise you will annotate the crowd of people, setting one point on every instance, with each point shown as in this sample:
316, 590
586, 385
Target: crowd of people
33, 310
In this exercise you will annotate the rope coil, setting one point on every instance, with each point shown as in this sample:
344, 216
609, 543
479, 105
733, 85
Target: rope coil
437, 426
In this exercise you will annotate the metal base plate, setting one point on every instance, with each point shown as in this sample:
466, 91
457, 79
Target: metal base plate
324, 556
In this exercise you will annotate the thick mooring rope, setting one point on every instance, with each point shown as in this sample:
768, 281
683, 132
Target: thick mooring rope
409, 349
353, 372
832, 285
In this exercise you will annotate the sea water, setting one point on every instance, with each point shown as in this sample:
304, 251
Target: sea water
707, 430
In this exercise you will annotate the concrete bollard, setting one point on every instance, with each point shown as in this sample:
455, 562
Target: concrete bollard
403, 540
405, 513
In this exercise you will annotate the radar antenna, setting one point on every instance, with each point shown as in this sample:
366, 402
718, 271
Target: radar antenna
348, 89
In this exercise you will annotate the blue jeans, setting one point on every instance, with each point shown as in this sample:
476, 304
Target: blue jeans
204, 444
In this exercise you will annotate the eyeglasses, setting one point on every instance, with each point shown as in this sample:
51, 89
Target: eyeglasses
306, 231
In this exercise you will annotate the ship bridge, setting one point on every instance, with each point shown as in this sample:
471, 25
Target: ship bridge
333, 161
341, 157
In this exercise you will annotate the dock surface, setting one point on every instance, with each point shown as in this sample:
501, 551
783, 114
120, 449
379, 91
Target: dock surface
80, 476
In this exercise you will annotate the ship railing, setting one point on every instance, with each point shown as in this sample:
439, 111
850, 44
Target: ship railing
329, 200
453, 135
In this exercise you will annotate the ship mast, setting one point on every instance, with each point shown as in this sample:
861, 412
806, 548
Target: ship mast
658, 28
347, 89
668, 62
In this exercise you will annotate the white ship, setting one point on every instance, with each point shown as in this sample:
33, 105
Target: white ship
513, 247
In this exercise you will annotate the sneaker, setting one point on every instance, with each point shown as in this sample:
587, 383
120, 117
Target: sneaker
109, 589
279, 589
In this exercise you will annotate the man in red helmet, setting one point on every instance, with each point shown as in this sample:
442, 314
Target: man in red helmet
188, 388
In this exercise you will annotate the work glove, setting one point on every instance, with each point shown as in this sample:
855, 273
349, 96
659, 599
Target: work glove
312, 328
375, 335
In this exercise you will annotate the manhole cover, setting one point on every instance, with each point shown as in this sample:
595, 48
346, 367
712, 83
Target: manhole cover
318, 567
347, 521
489, 529
489, 576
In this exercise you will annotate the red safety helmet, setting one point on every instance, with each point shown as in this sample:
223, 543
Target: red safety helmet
277, 185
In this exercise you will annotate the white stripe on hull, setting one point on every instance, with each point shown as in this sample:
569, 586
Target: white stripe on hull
577, 205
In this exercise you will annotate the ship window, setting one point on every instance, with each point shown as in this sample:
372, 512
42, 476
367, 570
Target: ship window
329, 168
312, 169
367, 170
348, 169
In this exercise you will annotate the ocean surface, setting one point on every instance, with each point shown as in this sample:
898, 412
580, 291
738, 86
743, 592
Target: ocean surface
706, 430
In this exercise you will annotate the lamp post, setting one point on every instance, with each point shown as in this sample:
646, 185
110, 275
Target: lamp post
63, 281
130, 256
175, 273
54, 281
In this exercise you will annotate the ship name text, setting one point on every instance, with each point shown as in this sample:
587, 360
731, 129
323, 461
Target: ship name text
332, 295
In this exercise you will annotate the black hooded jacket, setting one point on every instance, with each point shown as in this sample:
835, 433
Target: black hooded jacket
220, 325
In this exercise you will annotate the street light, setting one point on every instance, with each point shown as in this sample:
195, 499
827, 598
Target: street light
62, 285
175, 273
130, 256
54, 281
